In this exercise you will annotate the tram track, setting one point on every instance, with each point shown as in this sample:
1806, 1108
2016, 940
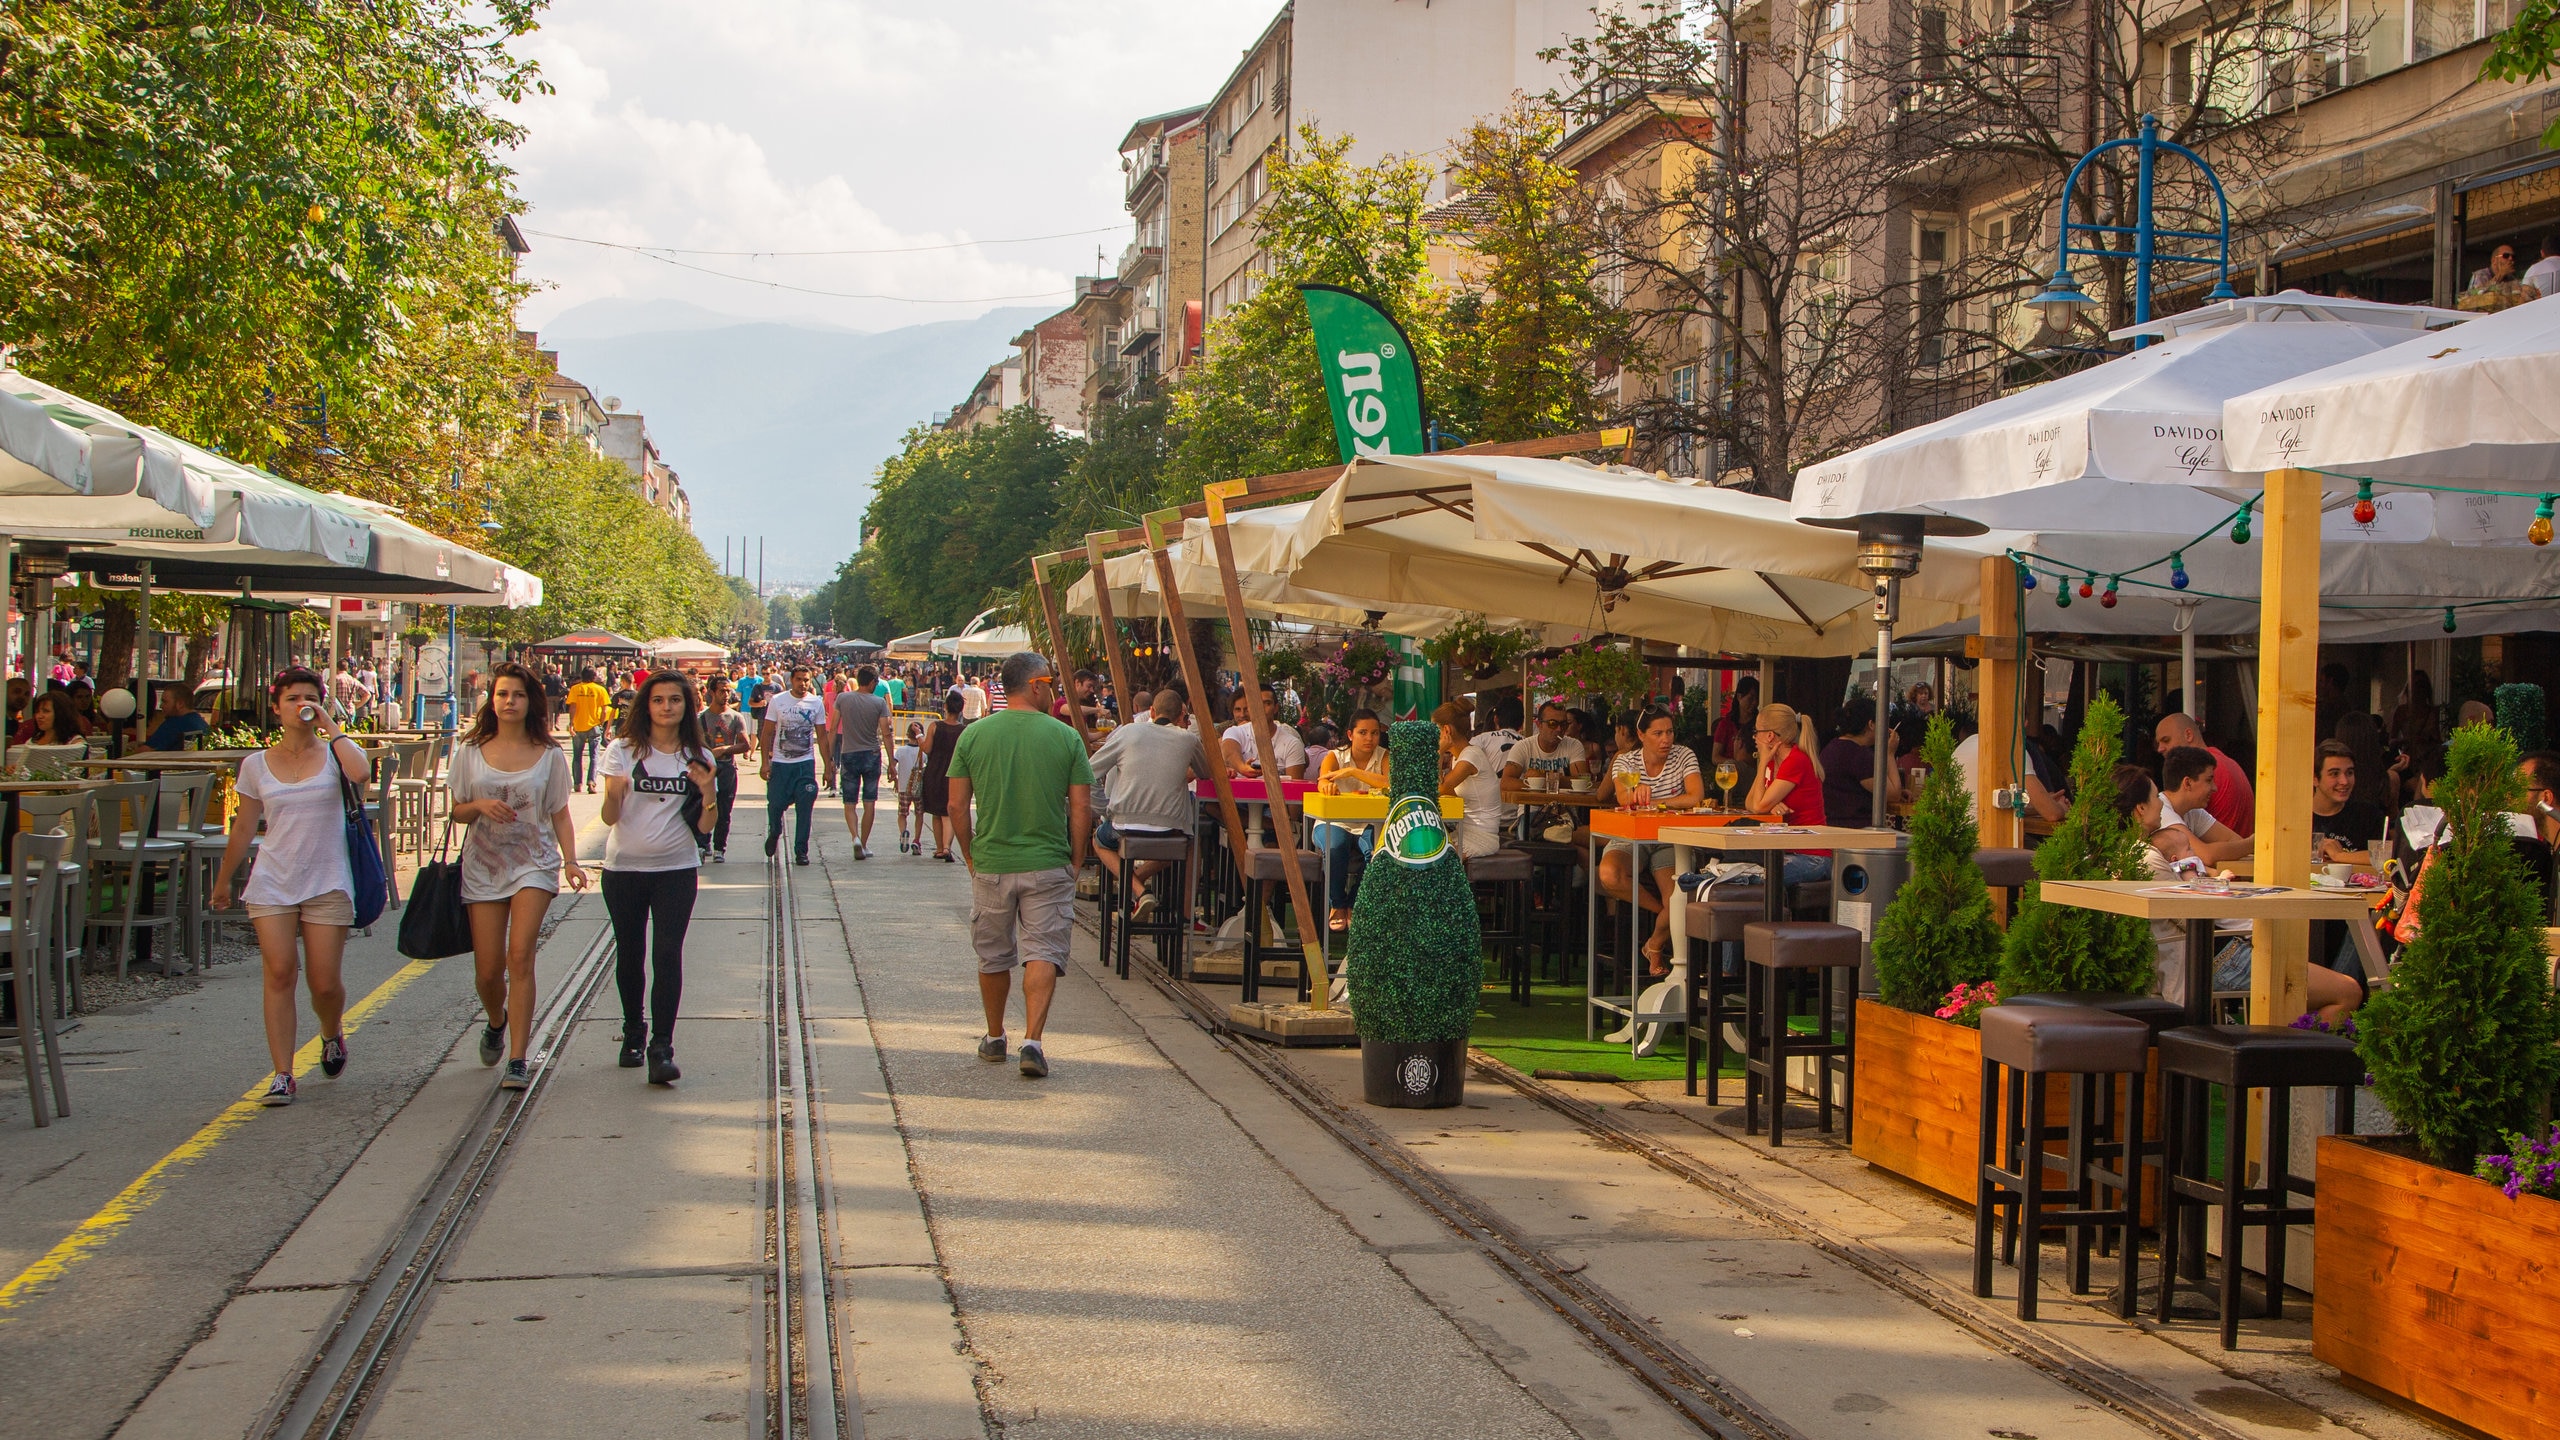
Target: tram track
1689, 1385
806, 1391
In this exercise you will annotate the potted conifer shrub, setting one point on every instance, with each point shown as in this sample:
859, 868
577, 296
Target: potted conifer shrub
2430, 1282
2063, 948
1415, 959
1918, 1074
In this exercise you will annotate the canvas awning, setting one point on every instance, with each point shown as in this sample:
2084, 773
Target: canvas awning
591, 642
678, 647
2133, 444
993, 642
1137, 591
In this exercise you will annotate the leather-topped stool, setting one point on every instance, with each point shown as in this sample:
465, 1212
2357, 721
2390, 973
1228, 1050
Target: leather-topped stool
2007, 871
2037, 1042
1501, 884
1169, 926
1716, 977
2095, 1107
1555, 903
2240, 1058
1263, 872
1771, 952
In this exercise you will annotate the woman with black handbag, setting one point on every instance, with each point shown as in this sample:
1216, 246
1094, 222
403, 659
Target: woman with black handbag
301, 896
511, 786
655, 772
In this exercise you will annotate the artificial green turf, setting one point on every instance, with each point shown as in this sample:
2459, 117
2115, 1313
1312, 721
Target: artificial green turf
1546, 1034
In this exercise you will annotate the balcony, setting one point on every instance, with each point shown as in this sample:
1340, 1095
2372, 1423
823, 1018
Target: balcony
1140, 261
1965, 95
1140, 167
1145, 323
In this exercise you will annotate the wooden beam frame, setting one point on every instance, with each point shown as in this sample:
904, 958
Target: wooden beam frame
1274, 783
2003, 667
2288, 730
1058, 659
1112, 647
1159, 549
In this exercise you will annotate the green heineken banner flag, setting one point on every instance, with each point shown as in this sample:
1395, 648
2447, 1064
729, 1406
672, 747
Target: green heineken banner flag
1371, 376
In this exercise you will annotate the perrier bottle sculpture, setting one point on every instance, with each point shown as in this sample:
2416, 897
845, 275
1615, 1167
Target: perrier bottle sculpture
1415, 961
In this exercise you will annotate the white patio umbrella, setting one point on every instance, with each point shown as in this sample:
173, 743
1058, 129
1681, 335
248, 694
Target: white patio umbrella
2470, 409
2135, 443
1590, 549
992, 642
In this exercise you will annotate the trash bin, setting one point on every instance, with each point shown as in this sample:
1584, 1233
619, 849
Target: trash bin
1863, 882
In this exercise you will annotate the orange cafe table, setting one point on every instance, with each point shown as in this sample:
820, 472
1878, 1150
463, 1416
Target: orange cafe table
1641, 830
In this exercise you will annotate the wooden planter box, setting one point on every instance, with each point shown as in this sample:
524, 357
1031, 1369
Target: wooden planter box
1919, 1083
2435, 1287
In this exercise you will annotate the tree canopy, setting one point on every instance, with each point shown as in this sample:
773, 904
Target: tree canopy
956, 514
607, 557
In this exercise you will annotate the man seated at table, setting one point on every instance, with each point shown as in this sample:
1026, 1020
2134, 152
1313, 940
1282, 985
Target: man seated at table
1547, 751
1240, 750
2186, 784
2232, 801
178, 723
1142, 778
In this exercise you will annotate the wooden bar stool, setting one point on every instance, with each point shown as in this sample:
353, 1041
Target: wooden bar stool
2094, 1107
2037, 1042
1771, 951
2007, 871
1263, 876
1167, 925
2240, 1058
1716, 979
1501, 884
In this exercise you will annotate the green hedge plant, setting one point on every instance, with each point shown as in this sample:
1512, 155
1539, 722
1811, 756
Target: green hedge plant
2063, 948
1938, 932
2460, 1045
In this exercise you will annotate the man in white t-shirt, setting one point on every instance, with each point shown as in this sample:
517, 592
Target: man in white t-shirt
973, 699
1549, 751
793, 733
2544, 274
1243, 758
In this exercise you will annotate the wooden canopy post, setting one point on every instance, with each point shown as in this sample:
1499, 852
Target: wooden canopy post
1275, 793
1111, 644
2002, 652
1058, 637
2288, 729
1157, 525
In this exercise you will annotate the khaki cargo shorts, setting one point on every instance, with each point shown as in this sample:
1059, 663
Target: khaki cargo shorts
335, 908
1018, 918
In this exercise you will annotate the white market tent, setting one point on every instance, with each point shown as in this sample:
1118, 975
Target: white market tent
1592, 550
994, 642
2133, 444
2472, 408
681, 648
912, 647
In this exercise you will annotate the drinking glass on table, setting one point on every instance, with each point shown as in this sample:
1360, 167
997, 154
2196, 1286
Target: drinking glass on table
1727, 774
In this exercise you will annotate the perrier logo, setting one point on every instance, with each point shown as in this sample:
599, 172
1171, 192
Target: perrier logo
1415, 835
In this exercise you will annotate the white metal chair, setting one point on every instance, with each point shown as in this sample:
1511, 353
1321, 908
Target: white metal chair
128, 859
183, 798
69, 814
51, 762
35, 883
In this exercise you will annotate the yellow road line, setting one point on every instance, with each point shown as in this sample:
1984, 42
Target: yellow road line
112, 1217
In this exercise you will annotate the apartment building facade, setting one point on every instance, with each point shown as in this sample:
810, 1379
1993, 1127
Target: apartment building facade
625, 437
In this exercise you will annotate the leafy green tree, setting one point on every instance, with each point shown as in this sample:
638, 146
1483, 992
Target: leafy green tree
850, 604
2063, 947
956, 515
2526, 51
1938, 932
1121, 473
781, 614
607, 557
1532, 332
1256, 404
2461, 1044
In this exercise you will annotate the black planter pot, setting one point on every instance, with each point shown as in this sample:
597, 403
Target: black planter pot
1428, 1076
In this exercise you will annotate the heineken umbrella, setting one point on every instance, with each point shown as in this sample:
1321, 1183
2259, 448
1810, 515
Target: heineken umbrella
2132, 444
56, 446
1597, 550
2469, 408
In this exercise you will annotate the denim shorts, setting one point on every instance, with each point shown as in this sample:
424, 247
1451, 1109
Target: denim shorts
860, 775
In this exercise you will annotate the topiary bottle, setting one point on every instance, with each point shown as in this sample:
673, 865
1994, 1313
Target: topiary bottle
1415, 957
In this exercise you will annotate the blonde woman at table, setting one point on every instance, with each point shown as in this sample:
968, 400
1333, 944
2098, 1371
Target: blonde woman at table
511, 786
301, 893
1655, 774
1788, 784
1355, 769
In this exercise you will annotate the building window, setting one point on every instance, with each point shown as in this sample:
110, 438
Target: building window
1684, 393
1253, 94
1826, 79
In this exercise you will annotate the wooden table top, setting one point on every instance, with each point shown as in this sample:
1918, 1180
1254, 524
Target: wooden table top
36, 787
1650, 825
1587, 799
166, 760
2164, 900
1781, 837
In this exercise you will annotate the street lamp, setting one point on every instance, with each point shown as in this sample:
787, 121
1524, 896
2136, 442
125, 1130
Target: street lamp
2062, 298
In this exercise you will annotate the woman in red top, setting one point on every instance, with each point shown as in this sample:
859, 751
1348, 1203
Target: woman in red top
1789, 784
53, 720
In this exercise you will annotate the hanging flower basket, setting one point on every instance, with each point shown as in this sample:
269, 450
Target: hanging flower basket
1597, 673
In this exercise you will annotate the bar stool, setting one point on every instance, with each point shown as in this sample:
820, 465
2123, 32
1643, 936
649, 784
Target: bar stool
2240, 1058
1263, 873
1716, 983
1502, 878
1168, 925
2036, 1042
2095, 1105
1555, 907
1770, 952
2007, 871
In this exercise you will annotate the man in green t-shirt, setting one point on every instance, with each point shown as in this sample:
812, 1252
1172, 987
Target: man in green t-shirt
1024, 845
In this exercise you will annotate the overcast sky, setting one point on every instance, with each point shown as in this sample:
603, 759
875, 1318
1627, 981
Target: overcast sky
758, 125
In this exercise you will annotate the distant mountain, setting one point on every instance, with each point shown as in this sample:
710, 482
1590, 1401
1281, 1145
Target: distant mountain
777, 429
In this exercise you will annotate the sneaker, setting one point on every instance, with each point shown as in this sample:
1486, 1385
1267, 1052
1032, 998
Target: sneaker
991, 1049
662, 1065
719, 857
861, 851
519, 1076
333, 1055
493, 1044
279, 1090
772, 843
799, 859
630, 1055
1034, 1064
1144, 907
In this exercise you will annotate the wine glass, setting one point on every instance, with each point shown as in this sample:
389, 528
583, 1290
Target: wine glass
1727, 773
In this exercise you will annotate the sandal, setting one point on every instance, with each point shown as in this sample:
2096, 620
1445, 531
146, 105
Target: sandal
1338, 921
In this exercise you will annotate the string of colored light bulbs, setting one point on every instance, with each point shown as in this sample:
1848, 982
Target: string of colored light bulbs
2062, 572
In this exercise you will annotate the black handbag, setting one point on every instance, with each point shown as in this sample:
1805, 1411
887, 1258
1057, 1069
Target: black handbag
436, 924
